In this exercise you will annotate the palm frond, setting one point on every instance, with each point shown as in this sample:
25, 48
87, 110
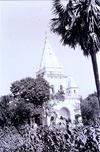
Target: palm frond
97, 2
58, 8
79, 24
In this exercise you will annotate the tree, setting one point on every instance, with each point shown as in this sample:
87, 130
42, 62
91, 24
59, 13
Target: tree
90, 109
31, 90
23, 88
42, 90
79, 23
60, 95
4, 108
29, 96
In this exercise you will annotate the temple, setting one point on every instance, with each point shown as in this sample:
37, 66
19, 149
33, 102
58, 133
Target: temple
65, 98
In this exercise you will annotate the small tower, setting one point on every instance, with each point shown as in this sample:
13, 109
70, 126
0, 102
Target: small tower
72, 90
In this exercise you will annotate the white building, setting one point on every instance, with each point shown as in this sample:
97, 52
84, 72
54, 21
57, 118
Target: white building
53, 72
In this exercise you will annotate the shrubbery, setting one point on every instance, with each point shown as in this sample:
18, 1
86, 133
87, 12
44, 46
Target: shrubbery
45, 139
90, 110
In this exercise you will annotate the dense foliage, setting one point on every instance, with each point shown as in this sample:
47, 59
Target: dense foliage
25, 104
60, 95
4, 108
32, 90
90, 110
44, 139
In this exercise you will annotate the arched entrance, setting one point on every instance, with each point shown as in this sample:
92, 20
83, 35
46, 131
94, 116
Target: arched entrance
64, 113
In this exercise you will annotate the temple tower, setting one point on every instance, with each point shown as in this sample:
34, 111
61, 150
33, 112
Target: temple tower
53, 71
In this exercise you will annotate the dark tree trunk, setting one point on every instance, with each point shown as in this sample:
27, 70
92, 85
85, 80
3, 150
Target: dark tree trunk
96, 74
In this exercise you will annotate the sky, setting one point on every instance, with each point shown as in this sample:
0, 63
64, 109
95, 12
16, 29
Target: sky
23, 25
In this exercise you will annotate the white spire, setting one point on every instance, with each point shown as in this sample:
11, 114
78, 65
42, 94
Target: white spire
49, 59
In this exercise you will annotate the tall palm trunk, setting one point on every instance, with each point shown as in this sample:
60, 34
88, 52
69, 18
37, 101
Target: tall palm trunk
96, 74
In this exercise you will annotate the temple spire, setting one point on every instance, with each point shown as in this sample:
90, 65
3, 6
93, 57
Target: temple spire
49, 59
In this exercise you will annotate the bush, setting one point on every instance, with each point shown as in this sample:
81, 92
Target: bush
45, 139
90, 110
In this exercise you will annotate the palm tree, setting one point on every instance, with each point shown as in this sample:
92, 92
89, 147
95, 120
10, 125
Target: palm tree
79, 23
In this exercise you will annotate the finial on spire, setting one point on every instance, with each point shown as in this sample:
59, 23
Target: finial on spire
45, 41
46, 35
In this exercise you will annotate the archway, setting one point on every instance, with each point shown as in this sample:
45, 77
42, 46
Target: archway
64, 113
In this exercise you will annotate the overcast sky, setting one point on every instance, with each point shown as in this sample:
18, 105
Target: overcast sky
22, 33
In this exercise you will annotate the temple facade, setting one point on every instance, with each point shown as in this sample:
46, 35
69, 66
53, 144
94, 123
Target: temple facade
68, 106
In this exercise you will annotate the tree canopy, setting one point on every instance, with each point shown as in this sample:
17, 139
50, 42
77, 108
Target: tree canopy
25, 102
32, 90
90, 109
